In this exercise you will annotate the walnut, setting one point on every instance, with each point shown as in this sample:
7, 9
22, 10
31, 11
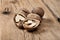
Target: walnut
38, 11
20, 18
32, 22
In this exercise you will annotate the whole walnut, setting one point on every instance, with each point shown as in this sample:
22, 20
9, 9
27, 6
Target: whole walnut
38, 11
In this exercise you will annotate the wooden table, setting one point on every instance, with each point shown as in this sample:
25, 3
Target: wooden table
48, 30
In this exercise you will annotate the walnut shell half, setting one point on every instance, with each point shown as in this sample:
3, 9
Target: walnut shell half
32, 22
20, 18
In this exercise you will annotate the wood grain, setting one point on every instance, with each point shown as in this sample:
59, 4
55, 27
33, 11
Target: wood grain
48, 30
54, 6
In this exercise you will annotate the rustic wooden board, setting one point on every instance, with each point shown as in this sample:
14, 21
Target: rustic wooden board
48, 30
54, 6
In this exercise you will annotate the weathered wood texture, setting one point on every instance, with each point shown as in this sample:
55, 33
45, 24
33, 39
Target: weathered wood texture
48, 30
54, 6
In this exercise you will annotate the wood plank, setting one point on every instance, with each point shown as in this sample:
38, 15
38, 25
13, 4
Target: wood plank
54, 6
48, 30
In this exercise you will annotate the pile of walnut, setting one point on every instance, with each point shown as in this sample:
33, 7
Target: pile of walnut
29, 20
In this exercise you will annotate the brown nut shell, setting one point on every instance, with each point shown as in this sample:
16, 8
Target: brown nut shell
34, 16
38, 11
32, 22
31, 26
18, 22
20, 18
26, 12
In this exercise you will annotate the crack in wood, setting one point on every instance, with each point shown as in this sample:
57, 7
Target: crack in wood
57, 18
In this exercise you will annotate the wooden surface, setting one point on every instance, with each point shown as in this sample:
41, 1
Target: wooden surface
54, 6
48, 30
